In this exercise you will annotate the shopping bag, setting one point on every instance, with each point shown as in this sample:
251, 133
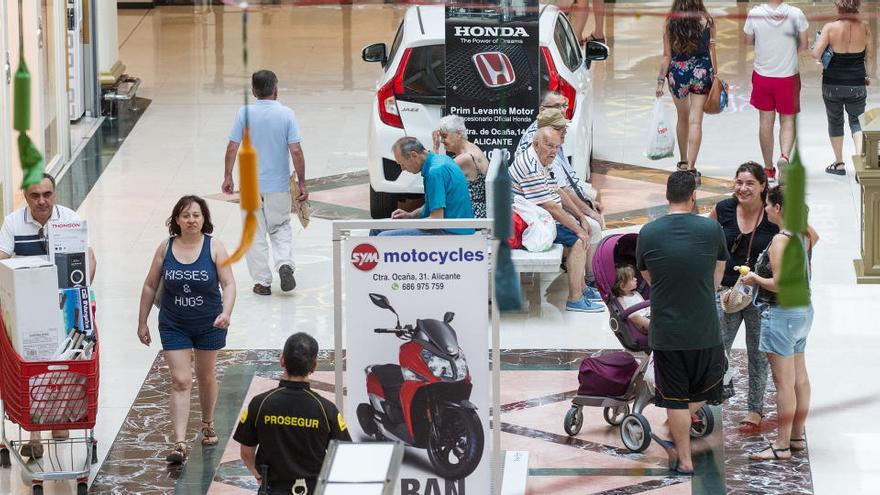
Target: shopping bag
541, 230
302, 208
660, 137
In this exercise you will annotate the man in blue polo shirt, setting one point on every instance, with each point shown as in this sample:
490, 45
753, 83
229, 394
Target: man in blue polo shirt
274, 132
446, 192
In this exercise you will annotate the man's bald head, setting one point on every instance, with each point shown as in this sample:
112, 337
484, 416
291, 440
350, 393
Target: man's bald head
546, 143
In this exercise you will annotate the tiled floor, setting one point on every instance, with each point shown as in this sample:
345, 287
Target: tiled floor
537, 387
189, 61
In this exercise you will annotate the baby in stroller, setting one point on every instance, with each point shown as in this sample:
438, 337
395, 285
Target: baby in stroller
625, 290
621, 382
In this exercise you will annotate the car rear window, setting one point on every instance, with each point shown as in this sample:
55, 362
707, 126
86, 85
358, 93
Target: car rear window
395, 45
566, 42
425, 72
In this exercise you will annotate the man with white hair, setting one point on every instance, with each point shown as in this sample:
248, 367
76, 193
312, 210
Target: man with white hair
531, 180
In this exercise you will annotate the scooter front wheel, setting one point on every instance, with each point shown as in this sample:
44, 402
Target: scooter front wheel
366, 418
455, 443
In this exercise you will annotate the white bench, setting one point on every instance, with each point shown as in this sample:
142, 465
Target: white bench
526, 262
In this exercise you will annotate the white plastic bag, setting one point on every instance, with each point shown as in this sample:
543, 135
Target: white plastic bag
661, 140
541, 230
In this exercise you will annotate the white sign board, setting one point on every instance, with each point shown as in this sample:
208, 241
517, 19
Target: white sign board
425, 381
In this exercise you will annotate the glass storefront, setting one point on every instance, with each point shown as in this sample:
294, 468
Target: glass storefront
48, 48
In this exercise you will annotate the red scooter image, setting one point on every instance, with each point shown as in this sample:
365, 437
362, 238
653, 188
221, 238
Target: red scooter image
423, 402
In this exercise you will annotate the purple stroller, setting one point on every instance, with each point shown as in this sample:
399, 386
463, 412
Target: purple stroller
635, 431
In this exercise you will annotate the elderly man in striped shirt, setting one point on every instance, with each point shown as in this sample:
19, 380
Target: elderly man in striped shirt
531, 180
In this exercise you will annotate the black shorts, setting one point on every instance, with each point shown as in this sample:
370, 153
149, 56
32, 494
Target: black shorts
683, 377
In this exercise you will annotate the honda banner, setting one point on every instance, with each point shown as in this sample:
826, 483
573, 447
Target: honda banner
492, 69
417, 365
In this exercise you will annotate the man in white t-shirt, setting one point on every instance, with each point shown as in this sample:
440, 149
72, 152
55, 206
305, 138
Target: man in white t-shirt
274, 133
779, 32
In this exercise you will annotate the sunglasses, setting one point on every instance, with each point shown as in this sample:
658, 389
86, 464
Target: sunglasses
735, 245
44, 241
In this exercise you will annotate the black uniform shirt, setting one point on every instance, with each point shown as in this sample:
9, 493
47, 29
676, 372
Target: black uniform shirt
292, 427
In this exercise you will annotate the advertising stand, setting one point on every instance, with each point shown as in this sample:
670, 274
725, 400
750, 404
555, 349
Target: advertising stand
415, 313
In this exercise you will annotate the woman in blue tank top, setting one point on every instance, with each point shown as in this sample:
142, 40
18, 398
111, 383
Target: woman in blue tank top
195, 303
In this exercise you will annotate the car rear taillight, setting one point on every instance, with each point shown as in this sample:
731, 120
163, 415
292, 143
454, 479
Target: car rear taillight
388, 112
557, 83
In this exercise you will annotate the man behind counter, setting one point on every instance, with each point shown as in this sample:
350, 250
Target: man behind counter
291, 424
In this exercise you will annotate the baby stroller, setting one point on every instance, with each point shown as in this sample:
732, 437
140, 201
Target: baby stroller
616, 381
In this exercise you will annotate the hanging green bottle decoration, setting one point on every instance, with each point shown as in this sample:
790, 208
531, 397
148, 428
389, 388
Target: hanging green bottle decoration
793, 287
28, 155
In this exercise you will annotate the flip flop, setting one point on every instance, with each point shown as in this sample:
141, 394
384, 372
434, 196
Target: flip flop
669, 447
754, 455
593, 37
837, 168
797, 449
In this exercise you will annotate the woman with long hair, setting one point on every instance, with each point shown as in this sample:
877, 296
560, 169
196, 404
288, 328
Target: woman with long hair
747, 231
783, 337
844, 78
688, 67
195, 306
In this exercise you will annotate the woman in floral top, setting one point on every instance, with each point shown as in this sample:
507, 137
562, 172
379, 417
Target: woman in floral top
688, 52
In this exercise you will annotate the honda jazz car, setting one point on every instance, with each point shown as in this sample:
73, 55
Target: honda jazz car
410, 94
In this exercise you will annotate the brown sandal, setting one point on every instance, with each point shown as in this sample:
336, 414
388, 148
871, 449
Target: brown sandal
178, 454
209, 435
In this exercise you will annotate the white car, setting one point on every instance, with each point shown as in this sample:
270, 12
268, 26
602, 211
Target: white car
410, 94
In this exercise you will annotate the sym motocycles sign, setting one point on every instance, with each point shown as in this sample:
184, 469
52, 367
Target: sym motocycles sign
417, 367
492, 70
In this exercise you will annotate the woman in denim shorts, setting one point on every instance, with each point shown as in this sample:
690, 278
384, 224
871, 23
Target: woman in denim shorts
687, 65
195, 305
783, 337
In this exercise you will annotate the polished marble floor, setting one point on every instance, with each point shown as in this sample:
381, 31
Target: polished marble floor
189, 61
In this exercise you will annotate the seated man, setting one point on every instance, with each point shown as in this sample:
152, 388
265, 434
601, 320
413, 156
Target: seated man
553, 118
24, 234
446, 191
564, 173
530, 179
284, 433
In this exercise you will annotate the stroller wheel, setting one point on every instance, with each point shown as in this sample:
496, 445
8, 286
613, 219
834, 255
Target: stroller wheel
635, 431
574, 420
703, 421
614, 415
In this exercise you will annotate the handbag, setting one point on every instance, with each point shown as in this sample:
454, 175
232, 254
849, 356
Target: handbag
157, 299
736, 298
716, 102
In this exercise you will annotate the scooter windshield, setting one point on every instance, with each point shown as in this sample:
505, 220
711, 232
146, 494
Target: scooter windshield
440, 334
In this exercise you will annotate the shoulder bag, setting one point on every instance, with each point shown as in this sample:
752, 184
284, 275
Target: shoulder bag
717, 99
736, 298
157, 299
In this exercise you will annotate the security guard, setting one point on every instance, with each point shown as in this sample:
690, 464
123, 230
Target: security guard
291, 425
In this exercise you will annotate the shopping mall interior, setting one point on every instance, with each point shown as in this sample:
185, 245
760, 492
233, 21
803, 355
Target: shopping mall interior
179, 78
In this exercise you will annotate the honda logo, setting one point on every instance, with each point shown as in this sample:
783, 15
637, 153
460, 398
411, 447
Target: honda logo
495, 69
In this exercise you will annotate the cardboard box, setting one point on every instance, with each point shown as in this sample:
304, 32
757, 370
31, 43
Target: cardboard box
76, 308
29, 302
68, 249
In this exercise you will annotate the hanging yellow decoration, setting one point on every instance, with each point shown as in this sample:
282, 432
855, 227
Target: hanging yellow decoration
248, 179
249, 193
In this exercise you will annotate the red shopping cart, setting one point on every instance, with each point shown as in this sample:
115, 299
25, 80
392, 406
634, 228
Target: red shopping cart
49, 395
